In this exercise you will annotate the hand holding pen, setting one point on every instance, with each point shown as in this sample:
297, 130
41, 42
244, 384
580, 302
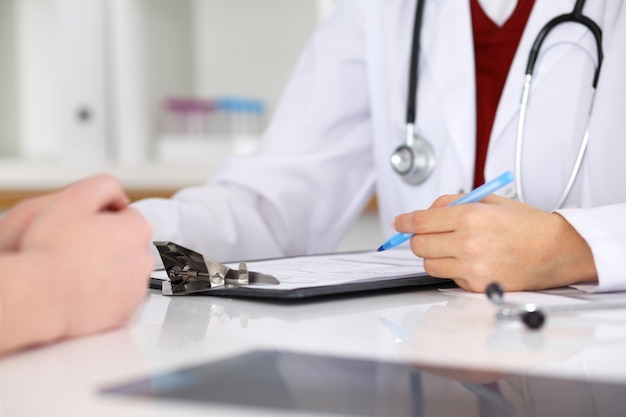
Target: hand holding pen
500, 239
471, 197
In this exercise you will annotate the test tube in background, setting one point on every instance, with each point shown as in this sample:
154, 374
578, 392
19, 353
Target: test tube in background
194, 128
187, 117
242, 120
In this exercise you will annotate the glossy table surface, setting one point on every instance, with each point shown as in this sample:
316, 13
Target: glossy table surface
434, 327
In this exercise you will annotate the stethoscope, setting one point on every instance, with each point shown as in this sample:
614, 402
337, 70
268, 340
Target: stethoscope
415, 160
531, 314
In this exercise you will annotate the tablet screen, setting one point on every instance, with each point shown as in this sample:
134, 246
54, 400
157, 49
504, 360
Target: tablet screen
292, 381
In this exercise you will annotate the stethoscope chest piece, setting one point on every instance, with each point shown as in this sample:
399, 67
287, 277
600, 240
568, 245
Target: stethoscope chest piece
414, 161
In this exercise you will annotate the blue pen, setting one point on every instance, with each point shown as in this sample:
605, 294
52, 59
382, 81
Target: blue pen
471, 197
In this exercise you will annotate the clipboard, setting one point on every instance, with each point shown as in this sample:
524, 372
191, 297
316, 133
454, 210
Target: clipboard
187, 272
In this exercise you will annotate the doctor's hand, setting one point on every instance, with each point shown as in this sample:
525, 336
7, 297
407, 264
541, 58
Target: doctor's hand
80, 258
498, 240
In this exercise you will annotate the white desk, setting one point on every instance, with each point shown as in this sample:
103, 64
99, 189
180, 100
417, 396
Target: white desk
167, 333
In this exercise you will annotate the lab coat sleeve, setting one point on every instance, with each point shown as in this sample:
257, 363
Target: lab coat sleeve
602, 220
604, 229
312, 176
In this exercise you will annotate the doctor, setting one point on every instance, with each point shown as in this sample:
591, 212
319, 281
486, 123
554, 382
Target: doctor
344, 113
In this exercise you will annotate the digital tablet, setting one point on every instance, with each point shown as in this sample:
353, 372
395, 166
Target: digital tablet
294, 381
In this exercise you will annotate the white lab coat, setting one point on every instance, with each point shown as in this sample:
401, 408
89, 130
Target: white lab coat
343, 113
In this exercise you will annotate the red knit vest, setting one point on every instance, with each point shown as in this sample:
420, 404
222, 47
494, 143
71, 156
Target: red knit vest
494, 49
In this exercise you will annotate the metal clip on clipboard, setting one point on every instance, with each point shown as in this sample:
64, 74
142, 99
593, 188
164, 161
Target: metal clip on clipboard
190, 272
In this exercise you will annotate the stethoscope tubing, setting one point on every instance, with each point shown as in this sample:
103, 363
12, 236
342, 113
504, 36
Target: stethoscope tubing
414, 161
404, 158
519, 146
414, 66
575, 16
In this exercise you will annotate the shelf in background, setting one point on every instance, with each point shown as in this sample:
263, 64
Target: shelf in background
21, 179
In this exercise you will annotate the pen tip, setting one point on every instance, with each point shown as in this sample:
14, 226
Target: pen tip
380, 249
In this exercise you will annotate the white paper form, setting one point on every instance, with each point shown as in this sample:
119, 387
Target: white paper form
337, 268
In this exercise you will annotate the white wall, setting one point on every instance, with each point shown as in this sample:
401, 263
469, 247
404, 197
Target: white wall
8, 92
190, 47
168, 55
249, 47
36, 78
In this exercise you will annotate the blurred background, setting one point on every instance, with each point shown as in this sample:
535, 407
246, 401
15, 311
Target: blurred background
103, 81
155, 92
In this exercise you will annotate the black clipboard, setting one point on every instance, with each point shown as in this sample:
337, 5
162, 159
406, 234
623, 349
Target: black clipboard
191, 273
416, 282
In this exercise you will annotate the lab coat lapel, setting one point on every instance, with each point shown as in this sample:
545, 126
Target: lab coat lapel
448, 60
